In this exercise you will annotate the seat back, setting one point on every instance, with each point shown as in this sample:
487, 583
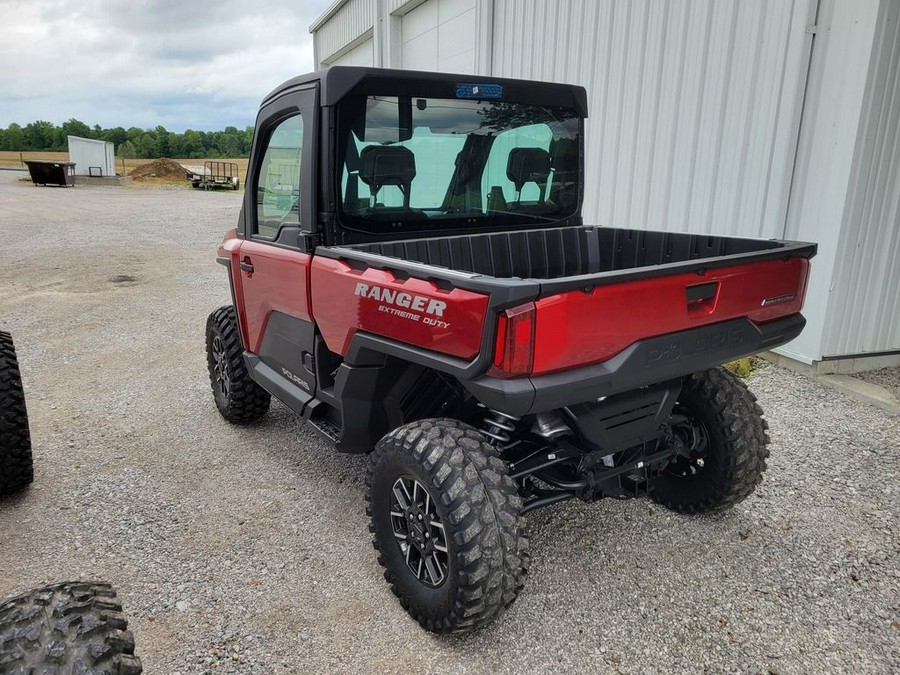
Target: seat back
382, 165
528, 165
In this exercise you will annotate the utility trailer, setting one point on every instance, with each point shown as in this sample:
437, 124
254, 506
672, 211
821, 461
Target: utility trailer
424, 289
216, 175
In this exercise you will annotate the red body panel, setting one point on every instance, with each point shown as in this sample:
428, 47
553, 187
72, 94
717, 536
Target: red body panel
417, 312
570, 329
230, 249
279, 282
577, 328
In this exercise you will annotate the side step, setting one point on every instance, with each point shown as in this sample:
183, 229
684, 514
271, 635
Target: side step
327, 428
308, 406
281, 388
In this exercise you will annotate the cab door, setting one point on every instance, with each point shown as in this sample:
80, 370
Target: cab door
273, 272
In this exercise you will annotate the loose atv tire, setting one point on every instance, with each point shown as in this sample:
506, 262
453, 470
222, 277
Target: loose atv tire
436, 483
16, 467
71, 627
239, 399
729, 457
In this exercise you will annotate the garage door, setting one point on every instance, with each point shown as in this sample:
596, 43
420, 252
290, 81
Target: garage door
439, 35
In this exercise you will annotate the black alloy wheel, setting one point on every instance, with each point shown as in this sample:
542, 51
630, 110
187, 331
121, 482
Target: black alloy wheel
419, 532
220, 367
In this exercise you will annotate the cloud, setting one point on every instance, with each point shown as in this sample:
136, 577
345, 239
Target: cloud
182, 64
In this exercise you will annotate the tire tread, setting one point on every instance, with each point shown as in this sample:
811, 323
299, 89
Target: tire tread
16, 461
738, 419
68, 627
247, 401
484, 508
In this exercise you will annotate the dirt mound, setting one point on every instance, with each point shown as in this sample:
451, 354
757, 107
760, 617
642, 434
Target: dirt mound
166, 169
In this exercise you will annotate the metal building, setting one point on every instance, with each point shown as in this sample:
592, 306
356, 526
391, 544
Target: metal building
749, 117
92, 157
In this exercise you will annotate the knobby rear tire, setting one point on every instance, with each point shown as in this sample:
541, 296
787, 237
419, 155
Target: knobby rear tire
480, 508
737, 446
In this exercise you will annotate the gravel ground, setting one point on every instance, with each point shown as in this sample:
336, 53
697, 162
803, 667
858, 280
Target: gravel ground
246, 550
889, 378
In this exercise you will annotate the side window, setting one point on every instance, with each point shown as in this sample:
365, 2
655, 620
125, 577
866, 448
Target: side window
278, 182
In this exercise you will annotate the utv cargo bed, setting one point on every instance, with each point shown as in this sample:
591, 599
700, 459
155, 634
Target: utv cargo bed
594, 309
566, 255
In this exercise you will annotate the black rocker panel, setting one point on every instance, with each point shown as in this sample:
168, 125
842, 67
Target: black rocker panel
287, 348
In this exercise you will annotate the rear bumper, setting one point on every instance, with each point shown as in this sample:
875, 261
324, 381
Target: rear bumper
645, 362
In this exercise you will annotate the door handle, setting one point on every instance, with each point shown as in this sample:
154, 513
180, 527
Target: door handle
247, 266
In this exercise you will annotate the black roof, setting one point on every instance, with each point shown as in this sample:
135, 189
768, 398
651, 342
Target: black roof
338, 81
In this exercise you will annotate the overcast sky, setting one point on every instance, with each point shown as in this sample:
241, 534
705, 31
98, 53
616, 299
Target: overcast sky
180, 63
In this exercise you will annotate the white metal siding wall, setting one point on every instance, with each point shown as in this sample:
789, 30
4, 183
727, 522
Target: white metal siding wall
865, 311
694, 105
394, 5
439, 35
362, 54
352, 20
828, 137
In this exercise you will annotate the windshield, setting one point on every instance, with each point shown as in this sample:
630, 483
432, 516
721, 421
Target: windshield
444, 164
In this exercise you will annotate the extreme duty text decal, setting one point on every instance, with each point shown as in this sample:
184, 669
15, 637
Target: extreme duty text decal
410, 306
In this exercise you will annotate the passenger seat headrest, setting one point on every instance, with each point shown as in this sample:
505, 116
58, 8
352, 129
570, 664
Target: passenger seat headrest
527, 165
387, 165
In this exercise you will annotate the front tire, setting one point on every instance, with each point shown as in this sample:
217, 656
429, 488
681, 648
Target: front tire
16, 464
445, 519
239, 399
724, 433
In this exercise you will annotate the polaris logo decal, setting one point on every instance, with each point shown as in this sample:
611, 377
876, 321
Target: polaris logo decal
676, 348
778, 299
293, 378
405, 305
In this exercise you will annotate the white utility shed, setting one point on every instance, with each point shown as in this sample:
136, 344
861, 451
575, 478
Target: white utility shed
92, 157
744, 117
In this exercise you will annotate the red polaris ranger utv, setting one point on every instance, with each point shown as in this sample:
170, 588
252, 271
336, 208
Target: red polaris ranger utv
411, 274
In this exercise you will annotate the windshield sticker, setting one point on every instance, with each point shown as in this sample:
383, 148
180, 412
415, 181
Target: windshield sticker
479, 91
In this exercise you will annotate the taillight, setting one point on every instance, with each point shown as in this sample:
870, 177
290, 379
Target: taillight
514, 352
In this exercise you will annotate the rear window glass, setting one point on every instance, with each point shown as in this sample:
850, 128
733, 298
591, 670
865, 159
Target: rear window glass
418, 163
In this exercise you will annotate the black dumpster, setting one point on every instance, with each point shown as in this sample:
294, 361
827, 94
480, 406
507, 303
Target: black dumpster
44, 172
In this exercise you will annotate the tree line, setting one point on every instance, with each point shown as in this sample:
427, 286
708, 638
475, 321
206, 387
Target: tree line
131, 143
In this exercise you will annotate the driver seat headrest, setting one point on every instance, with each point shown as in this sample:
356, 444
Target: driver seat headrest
527, 165
382, 165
